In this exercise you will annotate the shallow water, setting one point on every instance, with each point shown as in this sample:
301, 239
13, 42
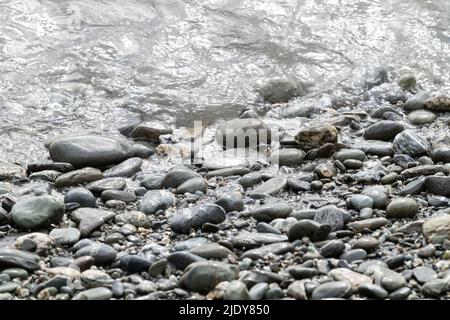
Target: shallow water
68, 65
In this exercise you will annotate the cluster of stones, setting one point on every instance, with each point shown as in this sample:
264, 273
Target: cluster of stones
353, 206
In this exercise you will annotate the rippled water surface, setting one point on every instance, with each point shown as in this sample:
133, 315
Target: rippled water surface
68, 65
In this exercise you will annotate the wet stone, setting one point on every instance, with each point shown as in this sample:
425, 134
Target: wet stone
424, 274
127, 168
82, 196
332, 249
269, 212
97, 187
402, 208
121, 195
334, 289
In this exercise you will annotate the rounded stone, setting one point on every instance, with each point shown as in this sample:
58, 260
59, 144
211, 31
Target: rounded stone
82, 196
349, 154
360, 201
366, 243
269, 212
243, 133
237, 290
333, 289
372, 291
384, 130
89, 150
402, 208
419, 117
204, 276
37, 212
410, 143
231, 202
65, 236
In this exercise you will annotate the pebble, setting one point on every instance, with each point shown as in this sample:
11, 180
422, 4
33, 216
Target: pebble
332, 249
97, 187
120, 195
371, 224
150, 130
77, 177
213, 251
434, 288
37, 212
192, 186
269, 212
366, 243
349, 154
416, 102
243, 133
270, 187
90, 150
353, 278
360, 201
437, 228
126, 168
177, 176
18, 259
354, 255
420, 117
372, 291
155, 200
102, 253
65, 236
249, 180
402, 208
180, 260
231, 202
287, 157
100, 293
204, 276
439, 186
258, 291
378, 195
236, 290
307, 228
152, 181
89, 219
193, 218
15, 273
410, 143
388, 279
384, 130
274, 249
135, 218
333, 216
82, 196
424, 274
333, 289
245, 239
299, 272
316, 136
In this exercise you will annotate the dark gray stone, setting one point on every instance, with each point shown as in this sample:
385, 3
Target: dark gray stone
155, 200
90, 150
384, 130
333, 289
193, 218
82, 196
271, 211
37, 212
127, 168
204, 276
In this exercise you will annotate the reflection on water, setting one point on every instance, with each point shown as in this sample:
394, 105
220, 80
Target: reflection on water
102, 64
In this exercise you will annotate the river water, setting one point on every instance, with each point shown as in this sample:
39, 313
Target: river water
90, 64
